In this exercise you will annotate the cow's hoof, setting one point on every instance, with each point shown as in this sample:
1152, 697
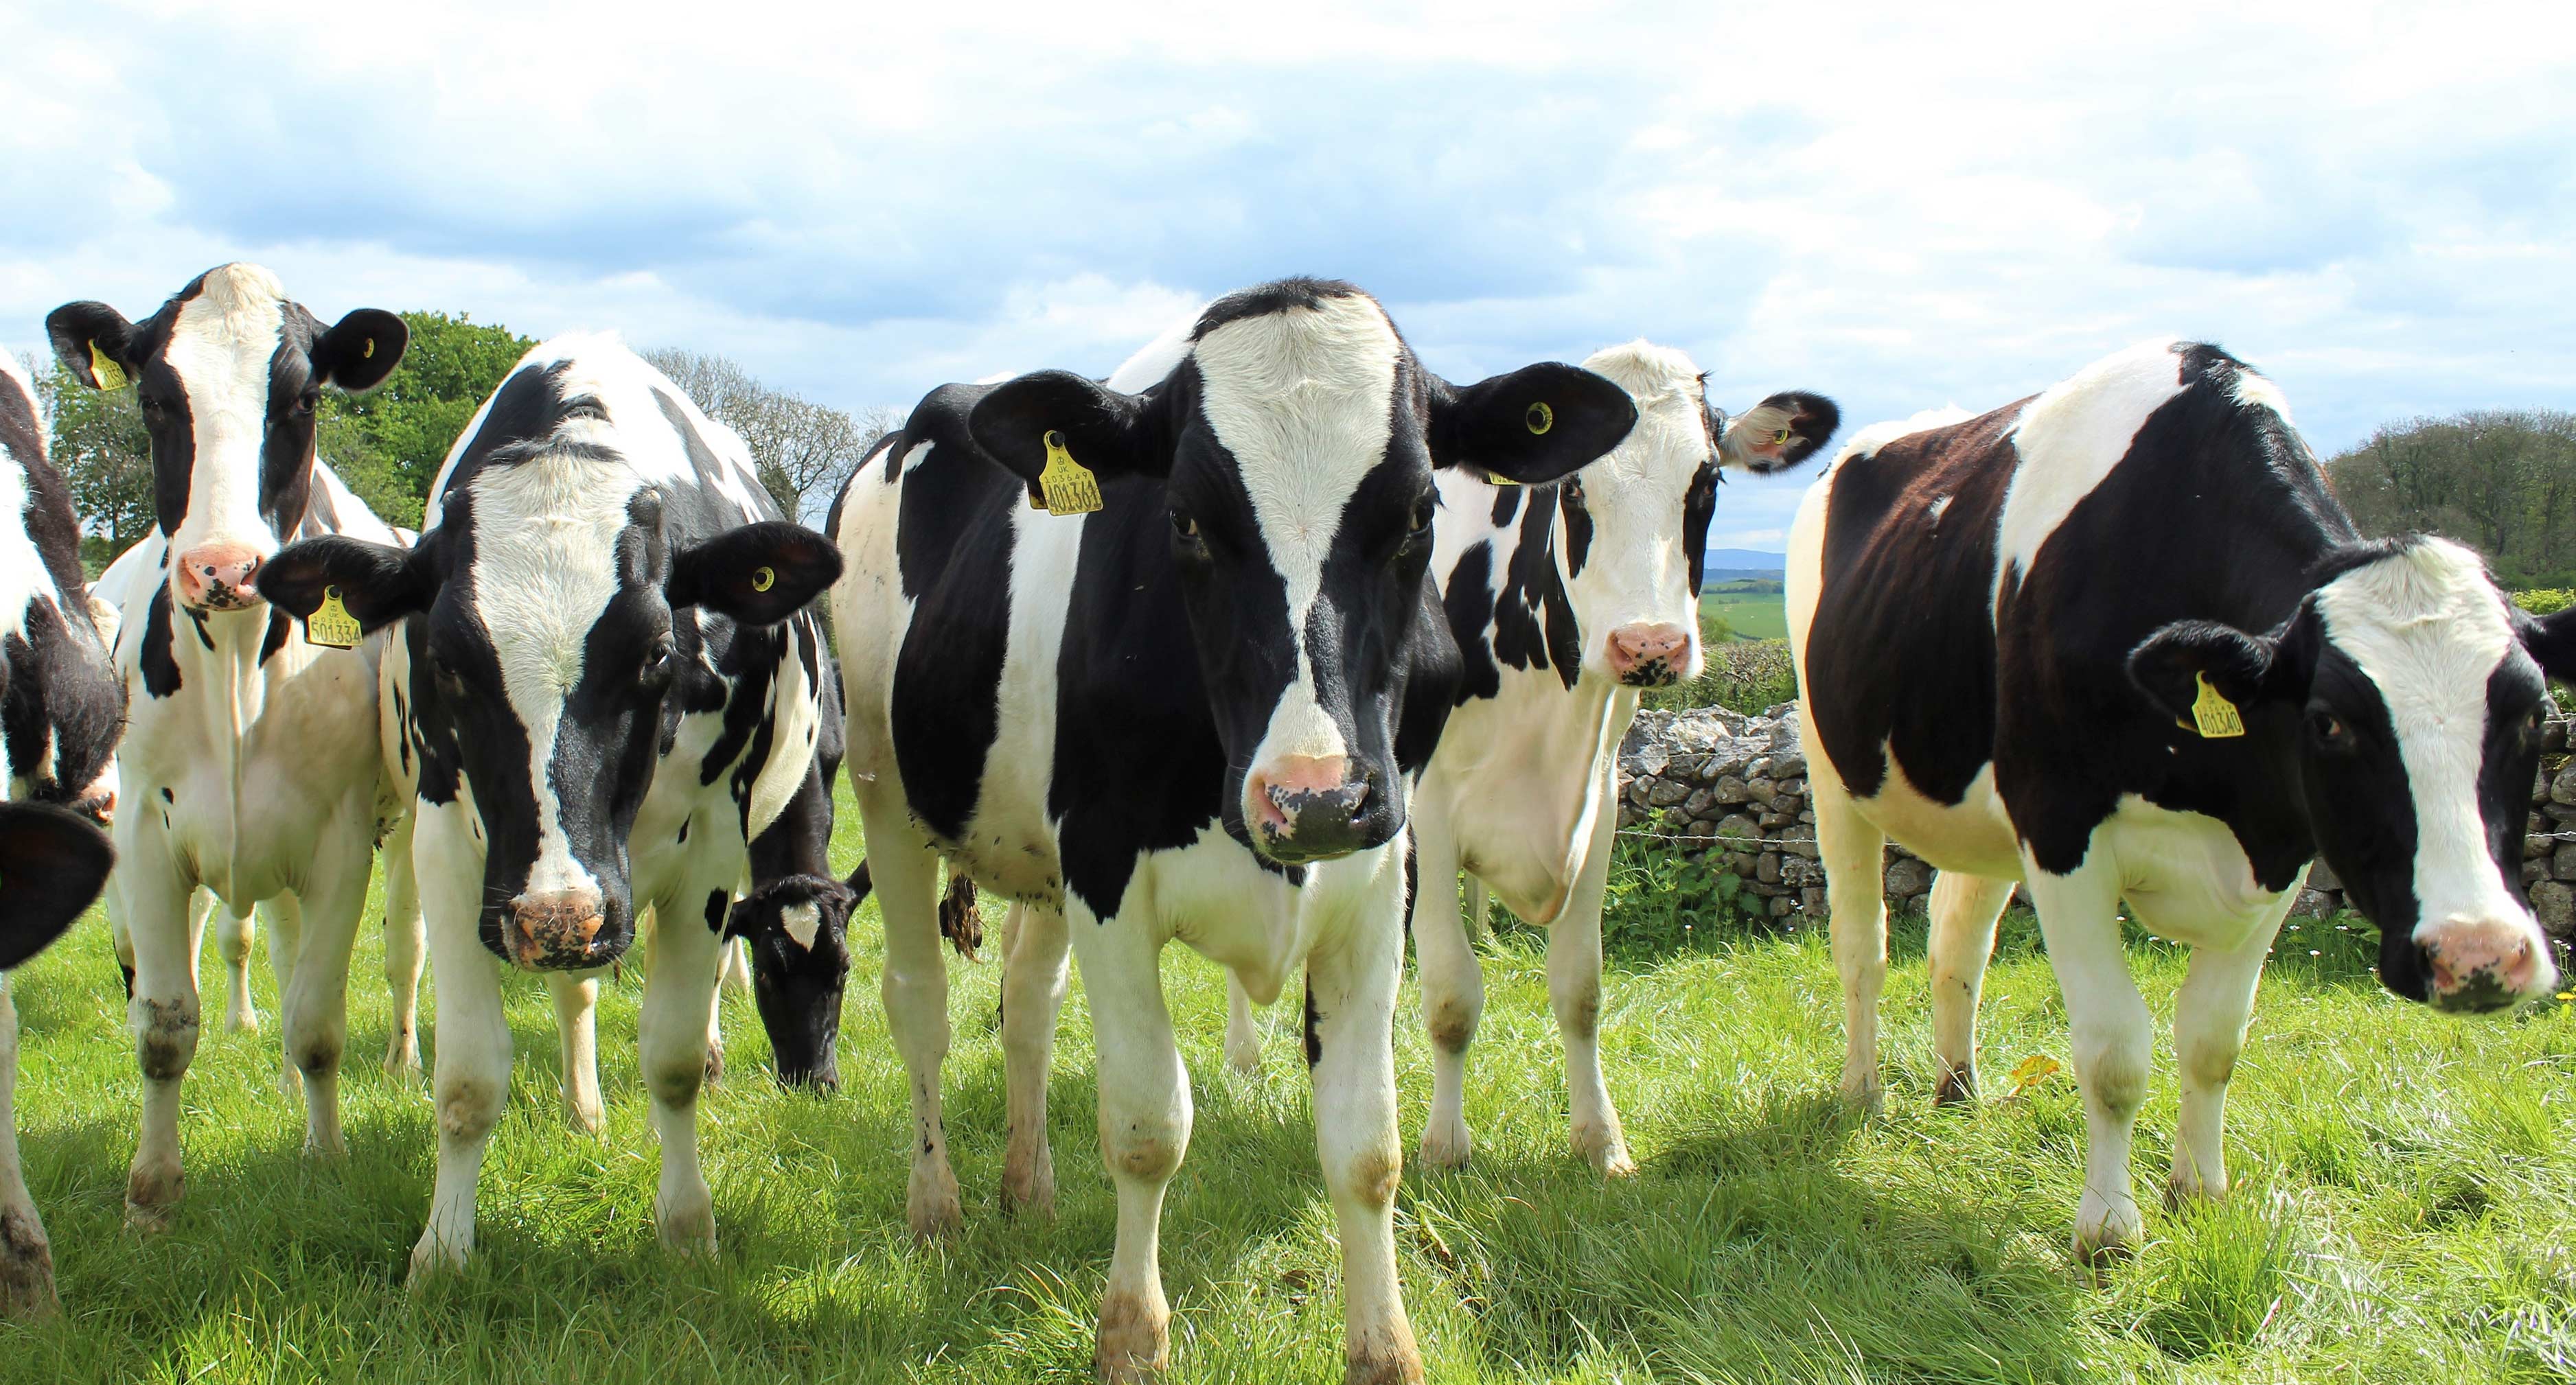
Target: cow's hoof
931, 1205
152, 1198
1135, 1339
1244, 1056
2104, 1246
1028, 1185
26, 1268
1401, 1368
241, 1021
1447, 1145
1863, 1094
586, 1117
2186, 1186
402, 1056
432, 1264
688, 1230
1958, 1087
1605, 1149
715, 1067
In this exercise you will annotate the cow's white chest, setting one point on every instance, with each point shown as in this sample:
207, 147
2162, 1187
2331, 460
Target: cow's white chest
1215, 897
2184, 875
1516, 779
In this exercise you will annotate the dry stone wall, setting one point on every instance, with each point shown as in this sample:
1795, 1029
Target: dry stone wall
1733, 787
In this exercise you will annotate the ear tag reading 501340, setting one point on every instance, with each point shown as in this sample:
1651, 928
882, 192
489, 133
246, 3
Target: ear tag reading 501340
2213, 715
1068, 487
331, 624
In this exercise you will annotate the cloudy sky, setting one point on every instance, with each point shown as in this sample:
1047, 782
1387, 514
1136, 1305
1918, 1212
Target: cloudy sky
1897, 207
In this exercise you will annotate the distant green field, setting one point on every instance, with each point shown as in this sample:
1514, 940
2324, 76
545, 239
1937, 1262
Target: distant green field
1753, 609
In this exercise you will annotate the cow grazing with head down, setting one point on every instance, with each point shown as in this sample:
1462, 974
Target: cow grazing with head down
2118, 642
249, 764
1193, 714
607, 687
60, 711
1567, 601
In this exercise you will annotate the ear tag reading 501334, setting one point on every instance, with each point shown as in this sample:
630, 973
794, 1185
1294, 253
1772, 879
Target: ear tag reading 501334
2213, 715
1068, 486
331, 624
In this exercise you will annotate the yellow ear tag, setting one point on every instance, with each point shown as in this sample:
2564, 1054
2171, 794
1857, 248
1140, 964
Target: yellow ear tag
331, 624
1068, 485
1540, 419
762, 579
109, 374
2214, 715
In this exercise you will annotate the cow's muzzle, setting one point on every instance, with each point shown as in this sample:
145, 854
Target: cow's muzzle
557, 932
1647, 655
1305, 808
2477, 965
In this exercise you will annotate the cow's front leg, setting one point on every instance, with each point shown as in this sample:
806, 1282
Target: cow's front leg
1453, 989
577, 1030
234, 939
284, 917
26, 1257
2110, 1035
1144, 1130
1033, 985
1574, 991
2210, 1011
405, 947
1964, 910
1853, 852
1242, 1029
472, 1064
317, 1010
1350, 998
162, 1015
914, 985
679, 996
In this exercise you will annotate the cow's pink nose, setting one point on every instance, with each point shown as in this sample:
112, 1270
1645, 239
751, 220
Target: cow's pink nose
1648, 655
219, 577
553, 932
1305, 803
2482, 964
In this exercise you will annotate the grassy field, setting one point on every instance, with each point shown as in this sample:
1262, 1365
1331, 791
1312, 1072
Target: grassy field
1752, 614
2402, 1210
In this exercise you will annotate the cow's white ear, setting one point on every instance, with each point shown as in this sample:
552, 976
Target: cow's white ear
1781, 431
2172, 666
1105, 431
1533, 426
52, 864
95, 343
361, 349
759, 574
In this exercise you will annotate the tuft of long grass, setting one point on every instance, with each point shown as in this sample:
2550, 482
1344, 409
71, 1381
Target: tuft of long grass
2400, 1209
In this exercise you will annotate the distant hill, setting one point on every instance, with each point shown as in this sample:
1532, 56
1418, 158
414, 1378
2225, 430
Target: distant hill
1724, 564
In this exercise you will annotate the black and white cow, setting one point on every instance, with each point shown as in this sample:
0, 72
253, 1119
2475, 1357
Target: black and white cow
2118, 642
60, 711
607, 687
1566, 601
1192, 714
249, 765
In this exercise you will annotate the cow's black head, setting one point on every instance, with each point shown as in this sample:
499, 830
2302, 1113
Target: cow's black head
1296, 436
798, 933
2407, 696
228, 374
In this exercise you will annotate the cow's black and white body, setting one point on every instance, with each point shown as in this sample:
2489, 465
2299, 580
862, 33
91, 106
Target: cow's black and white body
1567, 601
60, 712
249, 765
2009, 630
604, 686
1191, 715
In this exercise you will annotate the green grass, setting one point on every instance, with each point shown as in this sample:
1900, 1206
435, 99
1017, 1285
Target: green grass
1752, 615
2402, 1210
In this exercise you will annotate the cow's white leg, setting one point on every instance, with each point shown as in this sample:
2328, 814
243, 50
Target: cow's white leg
234, 940
679, 993
1350, 991
1242, 1029
1854, 852
284, 917
2110, 1036
915, 988
1964, 910
1574, 991
727, 950
405, 947
317, 1010
1144, 1128
1453, 989
162, 1015
577, 1028
471, 1055
26, 1257
2210, 1012
1033, 985
737, 967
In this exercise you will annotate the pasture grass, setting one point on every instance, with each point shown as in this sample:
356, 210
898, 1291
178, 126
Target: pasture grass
2402, 1210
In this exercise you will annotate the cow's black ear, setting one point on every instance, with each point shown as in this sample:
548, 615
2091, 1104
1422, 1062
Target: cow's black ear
52, 864
759, 574
1532, 426
2169, 664
95, 343
1102, 429
378, 583
2551, 642
1780, 432
361, 349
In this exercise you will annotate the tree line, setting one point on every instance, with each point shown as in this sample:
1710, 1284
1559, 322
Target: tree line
2500, 480
388, 444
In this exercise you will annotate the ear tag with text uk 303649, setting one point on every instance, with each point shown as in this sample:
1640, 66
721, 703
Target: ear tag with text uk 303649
1068, 486
331, 624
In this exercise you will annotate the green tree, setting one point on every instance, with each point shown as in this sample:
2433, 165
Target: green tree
2503, 480
105, 456
388, 444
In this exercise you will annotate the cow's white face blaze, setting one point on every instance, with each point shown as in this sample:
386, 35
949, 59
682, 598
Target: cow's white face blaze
1631, 526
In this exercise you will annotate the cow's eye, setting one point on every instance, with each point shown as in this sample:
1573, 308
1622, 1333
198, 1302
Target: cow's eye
2327, 727
1185, 527
659, 658
1422, 510
308, 401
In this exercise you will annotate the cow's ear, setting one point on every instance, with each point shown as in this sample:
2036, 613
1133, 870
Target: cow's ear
95, 343
52, 864
378, 583
1533, 426
2550, 640
2168, 666
361, 349
1780, 432
759, 574
1103, 430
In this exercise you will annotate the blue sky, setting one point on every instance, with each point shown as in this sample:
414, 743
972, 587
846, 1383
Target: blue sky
2377, 206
